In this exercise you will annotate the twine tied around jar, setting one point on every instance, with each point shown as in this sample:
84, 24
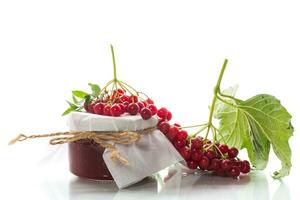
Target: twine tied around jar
105, 139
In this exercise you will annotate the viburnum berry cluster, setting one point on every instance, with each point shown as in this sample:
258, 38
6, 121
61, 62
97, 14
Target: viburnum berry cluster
118, 103
114, 99
201, 152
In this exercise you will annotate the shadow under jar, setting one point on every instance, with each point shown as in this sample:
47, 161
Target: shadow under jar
86, 161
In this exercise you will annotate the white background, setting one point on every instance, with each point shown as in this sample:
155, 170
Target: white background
171, 50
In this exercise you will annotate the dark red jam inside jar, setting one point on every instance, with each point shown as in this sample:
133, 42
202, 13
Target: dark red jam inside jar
86, 161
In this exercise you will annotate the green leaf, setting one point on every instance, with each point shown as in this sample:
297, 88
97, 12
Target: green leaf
75, 101
88, 99
256, 124
70, 109
79, 94
95, 89
237, 130
72, 104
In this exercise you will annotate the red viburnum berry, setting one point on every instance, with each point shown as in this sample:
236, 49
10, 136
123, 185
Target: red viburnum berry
192, 164
133, 109
98, 108
115, 110
182, 135
162, 113
106, 110
153, 109
146, 113
185, 152
172, 133
233, 152
164, 127
234, 172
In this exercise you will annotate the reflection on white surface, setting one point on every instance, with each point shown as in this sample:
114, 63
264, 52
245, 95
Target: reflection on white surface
23, 180
170, 183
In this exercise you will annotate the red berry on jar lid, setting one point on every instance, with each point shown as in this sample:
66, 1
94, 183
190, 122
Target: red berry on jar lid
91, 108
122, 108
146, 113
116, 94
125, 104
153, 109
106, 110
162, 113
115, 110
141, 105
120, 91
98, 108
149, 101
133, 99
124, 98
164, 127
133, 109
182, 134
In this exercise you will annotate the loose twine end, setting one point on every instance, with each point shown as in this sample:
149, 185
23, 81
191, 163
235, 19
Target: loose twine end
20, 137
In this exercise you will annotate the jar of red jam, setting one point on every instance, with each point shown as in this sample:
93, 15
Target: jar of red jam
86, 156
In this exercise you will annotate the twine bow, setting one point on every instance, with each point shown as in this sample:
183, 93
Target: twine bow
103, 139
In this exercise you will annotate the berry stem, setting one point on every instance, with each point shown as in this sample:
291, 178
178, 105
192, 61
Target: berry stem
192, 126
125, 84
216, 89
107, 84
124, 87
199, 131
114, 63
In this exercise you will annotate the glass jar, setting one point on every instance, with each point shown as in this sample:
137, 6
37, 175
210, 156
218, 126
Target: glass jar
86, 156
86, 161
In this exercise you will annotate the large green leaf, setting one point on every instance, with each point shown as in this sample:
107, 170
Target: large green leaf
238, 130
255, 124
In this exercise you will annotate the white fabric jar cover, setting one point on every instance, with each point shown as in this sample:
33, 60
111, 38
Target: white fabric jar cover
151, 153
